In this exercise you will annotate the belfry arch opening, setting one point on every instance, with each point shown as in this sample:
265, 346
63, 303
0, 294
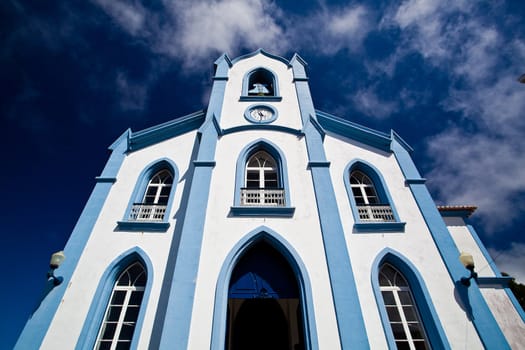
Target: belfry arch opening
265, 310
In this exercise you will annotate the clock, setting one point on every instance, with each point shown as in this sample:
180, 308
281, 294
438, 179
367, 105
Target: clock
260, 114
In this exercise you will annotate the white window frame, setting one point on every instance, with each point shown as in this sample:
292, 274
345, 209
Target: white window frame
395, 289
128, 289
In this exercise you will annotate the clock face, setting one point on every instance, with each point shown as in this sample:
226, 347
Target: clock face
261, 114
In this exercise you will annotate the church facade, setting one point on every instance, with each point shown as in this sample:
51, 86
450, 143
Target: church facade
263, 223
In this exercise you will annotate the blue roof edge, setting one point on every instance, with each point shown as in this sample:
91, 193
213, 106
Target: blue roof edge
147, 137
360, 133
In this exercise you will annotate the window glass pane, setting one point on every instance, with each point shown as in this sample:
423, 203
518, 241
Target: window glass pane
123, 345
399, 332
410, 313
126, 332
416, 331
402, 345
420, 345
109, 331
124, 279
393, 314
118, 297
405, 297
104, 345
388, 297
136, 298
165, 191
114, 313
132, 313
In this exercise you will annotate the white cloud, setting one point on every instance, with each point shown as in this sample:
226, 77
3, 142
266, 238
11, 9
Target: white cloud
368, 102
483, 163
511, 261
132, 96
129, 15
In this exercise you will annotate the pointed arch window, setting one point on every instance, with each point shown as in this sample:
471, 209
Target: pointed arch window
151, 199
262, 184
260, 84
369, 206
155, 200
403, 315
120, 318
372, 207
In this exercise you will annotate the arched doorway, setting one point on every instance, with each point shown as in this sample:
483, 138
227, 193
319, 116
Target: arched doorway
264, 306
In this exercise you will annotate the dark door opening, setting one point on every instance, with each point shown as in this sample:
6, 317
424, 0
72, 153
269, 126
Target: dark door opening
264, 308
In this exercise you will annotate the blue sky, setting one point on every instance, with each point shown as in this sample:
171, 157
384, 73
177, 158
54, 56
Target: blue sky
75, 75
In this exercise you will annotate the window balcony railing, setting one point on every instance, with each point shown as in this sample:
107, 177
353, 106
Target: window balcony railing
147, 212
263, 197
375, 213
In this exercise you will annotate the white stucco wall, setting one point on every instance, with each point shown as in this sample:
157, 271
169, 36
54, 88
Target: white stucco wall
105, 245
222, 231
499, 303
415, 244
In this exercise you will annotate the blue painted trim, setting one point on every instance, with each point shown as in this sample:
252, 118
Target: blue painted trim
318, 164
379, 227
99, 303
286, 212
298, 66
222, 67
248, 116
260, 98
502, 281
382, 192
354, 131
477, 309
165, 131
429, 317
245, 82
106, 179
415, 181
260, 51
204, 163
496, 271
317, 126
138, 195
246, 152
142, 226
271, 127
38, 324
263, 233
456, 213
350, 322
176, 326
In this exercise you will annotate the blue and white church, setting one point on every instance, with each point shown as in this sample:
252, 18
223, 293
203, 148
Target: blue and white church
261, 222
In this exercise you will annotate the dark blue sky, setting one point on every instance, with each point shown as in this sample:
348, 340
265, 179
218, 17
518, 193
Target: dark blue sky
76, 74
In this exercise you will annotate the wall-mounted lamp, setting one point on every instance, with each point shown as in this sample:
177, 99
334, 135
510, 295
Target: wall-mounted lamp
56, 259
467, 261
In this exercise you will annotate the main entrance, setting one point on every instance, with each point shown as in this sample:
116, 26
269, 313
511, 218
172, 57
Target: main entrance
264, 307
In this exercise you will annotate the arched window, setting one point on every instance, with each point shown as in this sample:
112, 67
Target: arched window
123, 308
369, 205
155, 200
403, 315
261, 83
261, 183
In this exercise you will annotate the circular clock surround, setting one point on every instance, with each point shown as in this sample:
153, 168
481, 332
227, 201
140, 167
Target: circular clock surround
260, 114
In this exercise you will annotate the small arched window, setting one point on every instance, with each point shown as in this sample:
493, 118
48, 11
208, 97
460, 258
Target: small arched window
404, 318
261, 83
370, 206
118, 327
155, 199
261, 182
